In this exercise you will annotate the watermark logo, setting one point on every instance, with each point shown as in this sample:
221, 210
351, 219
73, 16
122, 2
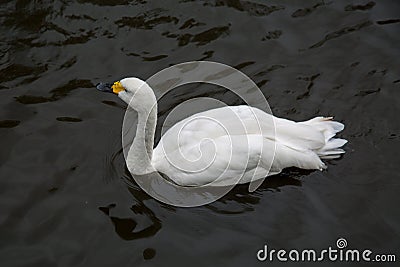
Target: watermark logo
338, 253
341, 243
210, 160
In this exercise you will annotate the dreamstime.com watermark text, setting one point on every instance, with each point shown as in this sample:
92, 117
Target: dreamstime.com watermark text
339, 253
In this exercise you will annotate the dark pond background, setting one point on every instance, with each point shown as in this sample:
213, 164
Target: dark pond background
63, 201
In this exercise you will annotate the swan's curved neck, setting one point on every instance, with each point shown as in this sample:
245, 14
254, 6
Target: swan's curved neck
141, 150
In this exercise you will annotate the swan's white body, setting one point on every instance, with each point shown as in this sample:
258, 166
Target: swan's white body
236, 144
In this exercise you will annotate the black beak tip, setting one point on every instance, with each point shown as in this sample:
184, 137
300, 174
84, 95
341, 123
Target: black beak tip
104, 87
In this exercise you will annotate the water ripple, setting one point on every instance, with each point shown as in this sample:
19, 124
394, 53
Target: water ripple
308, 10
341, 32
56, 94
254, 9
146, 20
9, 123
388, 21
367, 6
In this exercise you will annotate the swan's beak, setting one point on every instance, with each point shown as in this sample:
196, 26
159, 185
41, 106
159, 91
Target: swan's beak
105, 87
110, 88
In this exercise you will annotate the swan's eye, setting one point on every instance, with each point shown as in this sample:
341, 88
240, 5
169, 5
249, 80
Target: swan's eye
117, 87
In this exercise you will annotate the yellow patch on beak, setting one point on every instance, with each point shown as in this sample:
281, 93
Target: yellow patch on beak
117, 87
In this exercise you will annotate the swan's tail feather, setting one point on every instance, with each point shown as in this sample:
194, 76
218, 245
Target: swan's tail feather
333, 146
332, 149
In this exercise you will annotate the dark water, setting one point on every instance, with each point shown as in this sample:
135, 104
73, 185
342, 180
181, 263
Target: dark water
63, 201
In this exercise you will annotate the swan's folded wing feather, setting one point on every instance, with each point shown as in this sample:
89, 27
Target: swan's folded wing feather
298, 136
222, 159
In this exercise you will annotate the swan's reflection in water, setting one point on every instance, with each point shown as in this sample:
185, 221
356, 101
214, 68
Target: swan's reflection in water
240, 200
239, 194
126, 228
237, 201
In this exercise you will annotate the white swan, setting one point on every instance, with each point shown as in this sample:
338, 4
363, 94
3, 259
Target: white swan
249, 145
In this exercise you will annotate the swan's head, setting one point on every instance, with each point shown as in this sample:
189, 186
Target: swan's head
133, 91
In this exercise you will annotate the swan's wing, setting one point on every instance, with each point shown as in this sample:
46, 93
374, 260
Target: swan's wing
252, 135
244, 120
224, 160
229, 160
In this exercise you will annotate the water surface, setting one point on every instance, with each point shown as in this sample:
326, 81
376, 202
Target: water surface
63, 201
